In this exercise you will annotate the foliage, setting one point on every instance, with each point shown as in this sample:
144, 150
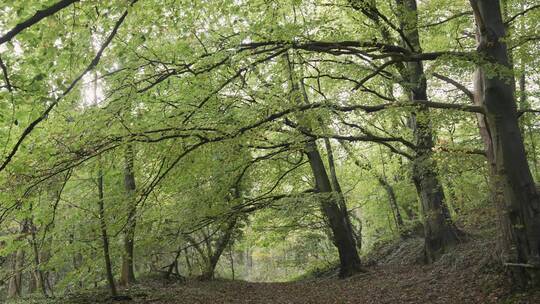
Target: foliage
202, 91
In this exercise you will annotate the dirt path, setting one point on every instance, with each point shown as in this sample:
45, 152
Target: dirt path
469, 274
404, 284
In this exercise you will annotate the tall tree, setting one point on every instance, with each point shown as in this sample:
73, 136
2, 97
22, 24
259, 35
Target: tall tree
332, 201
104, 235
127, 275
497, 94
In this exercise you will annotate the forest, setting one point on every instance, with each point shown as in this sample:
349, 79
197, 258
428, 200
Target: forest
269, 151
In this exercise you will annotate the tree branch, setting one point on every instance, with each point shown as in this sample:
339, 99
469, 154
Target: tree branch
37, 17
458, 85
45, 113
509, 21
6, 77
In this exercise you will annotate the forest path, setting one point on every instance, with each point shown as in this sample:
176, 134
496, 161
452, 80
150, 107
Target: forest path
382, 284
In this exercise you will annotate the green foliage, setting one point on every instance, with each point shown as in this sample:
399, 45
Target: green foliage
216, 134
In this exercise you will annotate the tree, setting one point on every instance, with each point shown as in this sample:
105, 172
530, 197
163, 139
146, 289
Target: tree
127, 275
104, 234
497, 94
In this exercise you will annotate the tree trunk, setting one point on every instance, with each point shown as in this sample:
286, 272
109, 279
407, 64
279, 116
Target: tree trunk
38, 274
521, 199
392, 200
231, 260
221, 244
15, 281
32, 282
439, 231
337, 190
188, 263
127, 276
174, 265
337, 219
104, 236
340, 226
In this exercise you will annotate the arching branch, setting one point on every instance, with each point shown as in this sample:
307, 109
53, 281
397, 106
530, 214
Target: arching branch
51, 106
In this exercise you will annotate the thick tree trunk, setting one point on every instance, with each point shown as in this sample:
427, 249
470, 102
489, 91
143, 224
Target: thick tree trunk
340, 225
496, 186
104, 236
521, 199
127, 276
439, 230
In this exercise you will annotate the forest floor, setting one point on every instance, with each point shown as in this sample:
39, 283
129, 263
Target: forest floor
394, 273
467, 275
389, 284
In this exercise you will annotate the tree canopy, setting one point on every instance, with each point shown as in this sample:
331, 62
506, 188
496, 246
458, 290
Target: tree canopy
261, 139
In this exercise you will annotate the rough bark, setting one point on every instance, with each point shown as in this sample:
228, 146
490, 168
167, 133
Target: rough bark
521, 214
127, 275
342, 232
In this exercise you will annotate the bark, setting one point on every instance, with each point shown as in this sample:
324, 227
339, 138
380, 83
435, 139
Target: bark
342, 232
127, 276
496, 194
173, 268
188, 263
32, 282
174, 265
337, 191
231, 260
392, 199
334, 211
47, 278
15, 281
439, 231
37, 273
104, 236
221, 244
521, 215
